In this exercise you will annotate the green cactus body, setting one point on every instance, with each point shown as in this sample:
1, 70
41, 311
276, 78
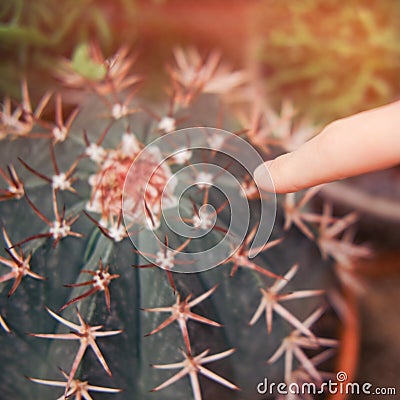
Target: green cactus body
101, 267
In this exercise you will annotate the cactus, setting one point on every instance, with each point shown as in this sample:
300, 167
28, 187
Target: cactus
88, 311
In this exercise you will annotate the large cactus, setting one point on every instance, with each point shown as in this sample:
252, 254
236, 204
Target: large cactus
82, 295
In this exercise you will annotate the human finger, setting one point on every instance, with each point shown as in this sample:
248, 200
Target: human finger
358, 144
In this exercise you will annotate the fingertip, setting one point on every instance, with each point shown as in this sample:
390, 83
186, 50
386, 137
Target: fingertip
262, 177
280, 175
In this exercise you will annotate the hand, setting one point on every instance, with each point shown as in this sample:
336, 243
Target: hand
358, 144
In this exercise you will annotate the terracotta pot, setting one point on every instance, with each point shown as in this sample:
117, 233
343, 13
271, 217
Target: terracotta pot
347, 358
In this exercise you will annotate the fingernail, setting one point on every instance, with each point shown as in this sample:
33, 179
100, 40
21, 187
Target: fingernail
262, 177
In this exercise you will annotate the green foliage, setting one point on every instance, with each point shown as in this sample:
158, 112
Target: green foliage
344, 57
85, 66
33, 34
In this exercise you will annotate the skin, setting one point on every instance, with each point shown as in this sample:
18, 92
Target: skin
364, 142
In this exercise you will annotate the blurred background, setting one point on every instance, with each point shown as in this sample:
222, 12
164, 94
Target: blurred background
331, 58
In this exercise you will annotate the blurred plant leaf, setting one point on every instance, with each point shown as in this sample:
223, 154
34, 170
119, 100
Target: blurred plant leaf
84, 65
